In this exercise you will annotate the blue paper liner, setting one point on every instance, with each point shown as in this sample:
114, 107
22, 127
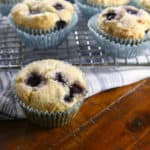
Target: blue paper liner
40, 39
88, 10
116, 47
6, 7
72, 1
50, 119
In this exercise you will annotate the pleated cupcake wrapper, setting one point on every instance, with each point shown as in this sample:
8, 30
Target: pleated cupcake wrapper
116, 47
6, 7
86, 9
11, 1
49, 119
72, 1
44, 39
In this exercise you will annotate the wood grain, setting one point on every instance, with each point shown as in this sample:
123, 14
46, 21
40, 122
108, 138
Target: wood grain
117, 119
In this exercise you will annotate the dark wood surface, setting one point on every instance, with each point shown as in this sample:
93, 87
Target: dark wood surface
117, 119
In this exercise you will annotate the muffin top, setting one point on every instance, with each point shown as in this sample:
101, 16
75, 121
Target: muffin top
108, 2
42, 14
50, 85
124, 22
145, 4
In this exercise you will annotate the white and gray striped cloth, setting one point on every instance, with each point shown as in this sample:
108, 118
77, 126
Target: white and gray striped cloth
98, 79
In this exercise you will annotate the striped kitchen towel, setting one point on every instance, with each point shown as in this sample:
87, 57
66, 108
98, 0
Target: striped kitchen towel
98, 80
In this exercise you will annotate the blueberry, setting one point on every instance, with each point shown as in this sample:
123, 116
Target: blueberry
110, 15
60, 78
68, 98
60, 24
74, 89
34, 79
146, 31
58, 6
132, 11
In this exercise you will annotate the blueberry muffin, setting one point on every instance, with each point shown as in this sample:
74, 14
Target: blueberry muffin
125, 22
145, 4
50, 85
43, 24
122, 32
50, 92
92, 7
107, 3
42, 14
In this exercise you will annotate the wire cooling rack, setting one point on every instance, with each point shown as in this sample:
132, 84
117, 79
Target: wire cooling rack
79, 49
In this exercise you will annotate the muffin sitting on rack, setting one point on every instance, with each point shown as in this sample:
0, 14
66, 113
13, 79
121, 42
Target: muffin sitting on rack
44, 14
123, 30
43, 22
91, 7
124, 22
50, 91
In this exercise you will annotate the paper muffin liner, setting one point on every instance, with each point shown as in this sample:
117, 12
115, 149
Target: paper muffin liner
11, 1
117, 47
88, 10
72, 1
6, 7
44, 39
49, 119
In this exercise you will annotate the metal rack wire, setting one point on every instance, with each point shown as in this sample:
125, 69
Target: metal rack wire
79, 48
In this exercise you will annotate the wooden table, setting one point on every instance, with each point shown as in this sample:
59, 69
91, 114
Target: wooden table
118, 119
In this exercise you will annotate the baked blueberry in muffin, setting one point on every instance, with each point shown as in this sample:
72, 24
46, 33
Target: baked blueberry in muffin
124, 22
50, 85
